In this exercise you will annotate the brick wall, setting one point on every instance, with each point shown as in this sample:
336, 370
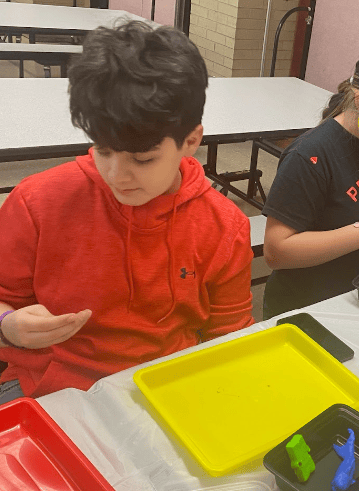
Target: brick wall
229, 35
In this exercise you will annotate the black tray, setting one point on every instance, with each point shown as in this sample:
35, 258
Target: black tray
330, 426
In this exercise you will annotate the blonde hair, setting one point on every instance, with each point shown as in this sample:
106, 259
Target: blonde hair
343, 99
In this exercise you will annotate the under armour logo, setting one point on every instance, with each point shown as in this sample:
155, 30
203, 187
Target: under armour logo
185, 273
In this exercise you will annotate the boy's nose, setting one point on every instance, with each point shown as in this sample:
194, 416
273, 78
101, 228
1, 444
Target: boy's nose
120, 172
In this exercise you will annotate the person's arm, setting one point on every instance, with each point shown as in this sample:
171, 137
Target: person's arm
34, 327
230, 294
31, 325
4, 307
285, 248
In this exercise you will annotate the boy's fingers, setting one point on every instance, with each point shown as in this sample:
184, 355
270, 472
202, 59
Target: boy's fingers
56, 322
60, 335
43, 339
65, 336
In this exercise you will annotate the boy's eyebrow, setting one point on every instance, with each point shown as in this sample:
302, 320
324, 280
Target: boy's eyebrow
152, 149
156, 147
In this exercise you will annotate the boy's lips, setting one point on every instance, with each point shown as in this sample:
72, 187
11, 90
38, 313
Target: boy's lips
126, 191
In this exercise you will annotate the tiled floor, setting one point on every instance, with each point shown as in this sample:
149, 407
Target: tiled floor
231, 157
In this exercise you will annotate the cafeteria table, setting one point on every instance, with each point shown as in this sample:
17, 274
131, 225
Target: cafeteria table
46, 54
248, 108
112, 426
236, 109
17, 19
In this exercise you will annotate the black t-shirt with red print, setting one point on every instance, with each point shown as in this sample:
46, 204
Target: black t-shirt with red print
316, 188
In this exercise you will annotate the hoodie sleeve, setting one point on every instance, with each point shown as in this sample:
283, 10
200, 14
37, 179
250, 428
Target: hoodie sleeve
230, 294
18, 243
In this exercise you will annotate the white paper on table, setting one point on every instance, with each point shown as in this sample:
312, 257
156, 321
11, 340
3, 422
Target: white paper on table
113, 426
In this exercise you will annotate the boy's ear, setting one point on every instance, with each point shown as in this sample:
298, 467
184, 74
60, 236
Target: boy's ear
193, 141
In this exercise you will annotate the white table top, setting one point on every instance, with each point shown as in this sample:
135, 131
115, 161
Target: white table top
111, 425
38, 114
235, 108
254, 105
25, 15
40, 48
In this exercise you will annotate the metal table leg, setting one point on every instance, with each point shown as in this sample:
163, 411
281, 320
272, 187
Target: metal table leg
211, 166
226, 178
252, 170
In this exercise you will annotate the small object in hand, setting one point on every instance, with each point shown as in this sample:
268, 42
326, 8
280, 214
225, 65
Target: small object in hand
344, 477
300, 460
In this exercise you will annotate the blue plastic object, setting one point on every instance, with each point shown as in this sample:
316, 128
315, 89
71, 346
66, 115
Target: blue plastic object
344, 477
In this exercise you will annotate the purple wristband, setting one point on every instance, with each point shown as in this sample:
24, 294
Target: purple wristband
2, 337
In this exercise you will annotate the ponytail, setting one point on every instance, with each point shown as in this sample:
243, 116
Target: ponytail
340, 101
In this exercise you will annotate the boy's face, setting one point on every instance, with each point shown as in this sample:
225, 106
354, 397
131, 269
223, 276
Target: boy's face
136, 179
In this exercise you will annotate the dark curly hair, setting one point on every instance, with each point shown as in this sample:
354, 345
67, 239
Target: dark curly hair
134, 85
344, 98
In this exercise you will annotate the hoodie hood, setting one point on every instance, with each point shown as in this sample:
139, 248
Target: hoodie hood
160, 211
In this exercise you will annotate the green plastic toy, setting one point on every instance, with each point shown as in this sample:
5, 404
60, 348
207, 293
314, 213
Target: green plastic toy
300, 460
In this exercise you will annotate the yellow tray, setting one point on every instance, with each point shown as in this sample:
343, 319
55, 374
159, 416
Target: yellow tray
231, 403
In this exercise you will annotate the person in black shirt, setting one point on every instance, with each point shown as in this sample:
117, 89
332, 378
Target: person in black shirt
312, 234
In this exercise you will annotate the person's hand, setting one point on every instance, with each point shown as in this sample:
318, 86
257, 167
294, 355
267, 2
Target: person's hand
35, 327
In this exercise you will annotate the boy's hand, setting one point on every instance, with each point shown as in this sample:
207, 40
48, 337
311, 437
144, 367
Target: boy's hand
35, 327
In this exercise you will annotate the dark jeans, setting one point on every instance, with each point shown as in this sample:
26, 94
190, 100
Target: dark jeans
9, 391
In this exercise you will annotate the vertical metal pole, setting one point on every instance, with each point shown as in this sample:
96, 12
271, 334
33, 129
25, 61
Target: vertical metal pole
183, 15
265, 38
187, 16
179, 15
308, 34
153, 9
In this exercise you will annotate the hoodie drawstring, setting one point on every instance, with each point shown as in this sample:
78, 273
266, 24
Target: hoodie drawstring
172, 263
171, 254
129, 265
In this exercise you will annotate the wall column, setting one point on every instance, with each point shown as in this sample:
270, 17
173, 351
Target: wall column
229, 35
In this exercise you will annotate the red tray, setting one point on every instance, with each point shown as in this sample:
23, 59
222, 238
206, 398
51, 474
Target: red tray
35, 454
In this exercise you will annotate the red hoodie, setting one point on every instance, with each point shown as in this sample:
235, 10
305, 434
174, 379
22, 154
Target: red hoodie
157, 277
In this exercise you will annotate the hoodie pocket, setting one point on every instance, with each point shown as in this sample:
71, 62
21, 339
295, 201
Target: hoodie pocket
52, 380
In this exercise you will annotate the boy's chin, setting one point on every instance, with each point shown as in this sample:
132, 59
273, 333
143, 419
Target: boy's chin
132, 200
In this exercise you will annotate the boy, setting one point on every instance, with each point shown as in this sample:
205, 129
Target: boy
126, 254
